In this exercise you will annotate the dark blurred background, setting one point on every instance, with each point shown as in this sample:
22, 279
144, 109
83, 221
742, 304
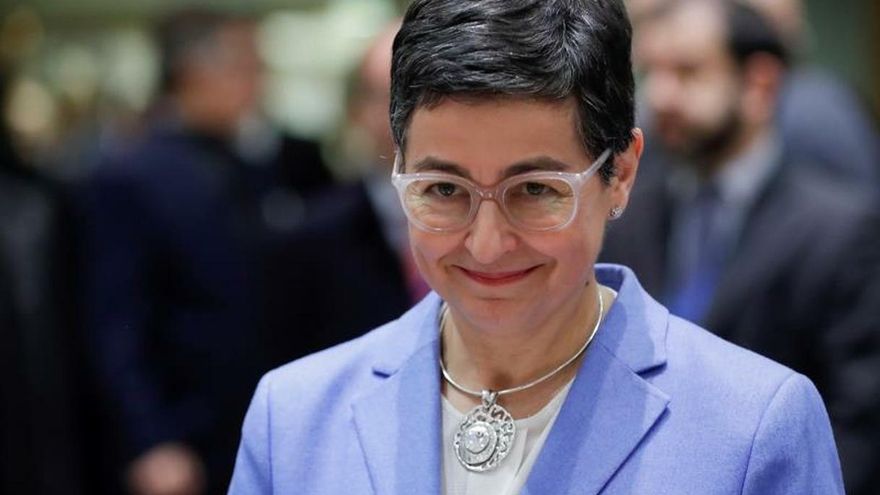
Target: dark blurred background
73, 63
192, 193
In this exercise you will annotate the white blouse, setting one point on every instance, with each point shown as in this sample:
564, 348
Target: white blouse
511, 474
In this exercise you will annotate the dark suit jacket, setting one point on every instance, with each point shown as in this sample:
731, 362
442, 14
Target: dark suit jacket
823, 121
41, 433
801, 288
332, 280
175, 232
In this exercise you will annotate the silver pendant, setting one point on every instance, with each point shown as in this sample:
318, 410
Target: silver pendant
485, 435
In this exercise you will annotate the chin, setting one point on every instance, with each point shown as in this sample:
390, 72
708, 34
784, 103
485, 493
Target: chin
496, 310
490, 313
489, 308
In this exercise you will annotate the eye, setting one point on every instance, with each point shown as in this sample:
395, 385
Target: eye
535, 188
445, 189
539, 189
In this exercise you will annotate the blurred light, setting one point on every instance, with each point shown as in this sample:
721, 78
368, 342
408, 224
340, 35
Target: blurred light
74, 74
31, 113
294, 40
303, 105
309, 53
130, 68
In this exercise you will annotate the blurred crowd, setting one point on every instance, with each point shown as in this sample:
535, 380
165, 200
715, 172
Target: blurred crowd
189, 249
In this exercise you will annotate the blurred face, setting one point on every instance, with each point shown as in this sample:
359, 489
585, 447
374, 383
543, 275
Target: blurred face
224, 84
491, 273
369, 110
691, 81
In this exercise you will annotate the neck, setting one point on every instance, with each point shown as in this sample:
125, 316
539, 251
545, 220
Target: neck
489, 359
198, 112
739, 144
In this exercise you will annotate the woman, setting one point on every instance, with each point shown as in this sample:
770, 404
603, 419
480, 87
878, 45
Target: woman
528, 370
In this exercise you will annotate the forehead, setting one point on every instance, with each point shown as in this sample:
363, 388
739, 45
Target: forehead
690, 31
485, 137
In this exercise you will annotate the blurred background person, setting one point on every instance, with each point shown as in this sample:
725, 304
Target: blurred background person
40, 434
821, 120
349, 267
175, 222
735, 232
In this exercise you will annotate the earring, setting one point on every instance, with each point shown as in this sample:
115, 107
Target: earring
616, 212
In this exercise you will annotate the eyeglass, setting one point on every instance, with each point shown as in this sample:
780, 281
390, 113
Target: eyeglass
535, 201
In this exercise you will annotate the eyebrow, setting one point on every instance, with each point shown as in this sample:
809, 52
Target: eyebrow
536, 164
432, 164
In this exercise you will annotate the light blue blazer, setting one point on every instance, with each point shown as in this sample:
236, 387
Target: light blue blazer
659, 406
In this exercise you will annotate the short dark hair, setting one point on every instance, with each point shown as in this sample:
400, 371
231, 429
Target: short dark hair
545, 49
749, 32
181, 37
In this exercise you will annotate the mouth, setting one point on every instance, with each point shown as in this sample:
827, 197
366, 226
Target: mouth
495, 279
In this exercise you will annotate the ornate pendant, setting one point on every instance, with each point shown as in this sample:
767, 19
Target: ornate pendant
485, 435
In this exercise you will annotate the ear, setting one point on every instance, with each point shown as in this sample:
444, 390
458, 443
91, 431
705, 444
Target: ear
762, 78
626, 164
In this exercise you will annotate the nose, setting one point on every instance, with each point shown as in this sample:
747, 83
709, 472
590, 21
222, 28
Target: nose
490, 236
661, 89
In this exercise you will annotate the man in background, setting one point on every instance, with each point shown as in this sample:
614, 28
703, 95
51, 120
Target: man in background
41, 387
821, 120
735, 234
176, 225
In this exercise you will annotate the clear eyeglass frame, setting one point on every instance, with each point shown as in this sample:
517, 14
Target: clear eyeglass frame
496, 193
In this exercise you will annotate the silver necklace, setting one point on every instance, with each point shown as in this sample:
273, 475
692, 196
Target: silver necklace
485, 435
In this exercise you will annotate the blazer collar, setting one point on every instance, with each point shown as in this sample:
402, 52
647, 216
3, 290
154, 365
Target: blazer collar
640, 348
609, 408
634, 330
417, 328
399, 422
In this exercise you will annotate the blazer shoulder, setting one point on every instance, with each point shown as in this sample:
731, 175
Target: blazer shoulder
793, 448
769, 414
350, 369
813, 193
340, 360
736, 374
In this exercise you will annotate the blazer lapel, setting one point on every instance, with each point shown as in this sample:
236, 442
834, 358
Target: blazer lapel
610, 407
398, 423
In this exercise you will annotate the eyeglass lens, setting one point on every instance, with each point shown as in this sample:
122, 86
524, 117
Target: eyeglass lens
533, 203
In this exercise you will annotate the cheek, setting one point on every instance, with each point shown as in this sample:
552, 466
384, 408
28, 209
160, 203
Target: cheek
582, 247
574, 250
585, 239
594, 208
712, 103
429, 249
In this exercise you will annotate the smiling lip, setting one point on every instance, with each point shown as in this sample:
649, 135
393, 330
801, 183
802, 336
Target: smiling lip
497, 278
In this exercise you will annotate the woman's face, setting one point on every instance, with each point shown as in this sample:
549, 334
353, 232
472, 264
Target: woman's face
492, 273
